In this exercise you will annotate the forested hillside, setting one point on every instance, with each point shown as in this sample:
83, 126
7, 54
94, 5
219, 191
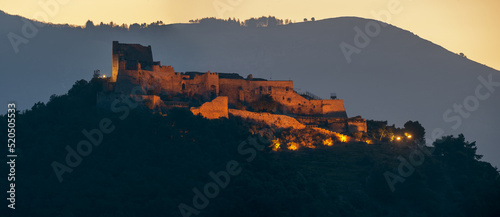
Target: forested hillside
161, 164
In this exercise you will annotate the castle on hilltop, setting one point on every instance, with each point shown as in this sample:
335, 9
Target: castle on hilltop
133, 66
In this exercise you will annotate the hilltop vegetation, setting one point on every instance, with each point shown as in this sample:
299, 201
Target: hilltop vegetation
269, 21
150, 163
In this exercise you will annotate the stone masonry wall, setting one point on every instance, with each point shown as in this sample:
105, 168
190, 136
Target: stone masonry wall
277, 121
215, 109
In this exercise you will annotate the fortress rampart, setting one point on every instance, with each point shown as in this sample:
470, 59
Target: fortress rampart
133, 66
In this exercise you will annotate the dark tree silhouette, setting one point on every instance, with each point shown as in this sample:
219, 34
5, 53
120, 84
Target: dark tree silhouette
416, 130
97, 73
265, 104
89, 24
456, 150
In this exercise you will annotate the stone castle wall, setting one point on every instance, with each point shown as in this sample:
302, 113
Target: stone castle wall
133, 67
273, 120
218, 108
356, 125
215, 109
242, 90
165, 80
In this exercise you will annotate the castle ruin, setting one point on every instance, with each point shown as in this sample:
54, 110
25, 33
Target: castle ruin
133, 66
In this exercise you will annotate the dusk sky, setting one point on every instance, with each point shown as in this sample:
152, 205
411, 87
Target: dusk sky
464, 26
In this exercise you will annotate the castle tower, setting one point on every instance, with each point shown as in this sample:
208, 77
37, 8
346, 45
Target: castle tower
131, 53
116, 63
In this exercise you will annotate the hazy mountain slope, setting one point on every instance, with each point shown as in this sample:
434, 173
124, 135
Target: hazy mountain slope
154, 165
398, 77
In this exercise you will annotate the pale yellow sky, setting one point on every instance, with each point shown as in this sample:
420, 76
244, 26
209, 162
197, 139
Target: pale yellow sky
468, 26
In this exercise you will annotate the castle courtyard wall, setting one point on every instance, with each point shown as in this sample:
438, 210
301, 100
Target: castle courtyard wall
215, 109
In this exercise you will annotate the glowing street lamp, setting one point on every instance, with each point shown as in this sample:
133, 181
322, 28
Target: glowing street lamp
408, 135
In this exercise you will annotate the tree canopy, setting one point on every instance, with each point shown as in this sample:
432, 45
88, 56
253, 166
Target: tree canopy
151, 163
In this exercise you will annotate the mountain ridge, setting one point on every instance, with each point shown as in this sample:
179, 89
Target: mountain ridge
397, 77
